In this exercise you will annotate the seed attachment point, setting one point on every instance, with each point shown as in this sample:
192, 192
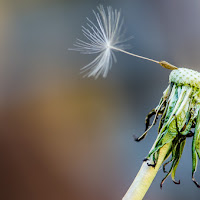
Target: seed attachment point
167, 65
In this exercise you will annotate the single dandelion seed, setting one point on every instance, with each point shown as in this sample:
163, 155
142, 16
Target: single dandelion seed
103, 38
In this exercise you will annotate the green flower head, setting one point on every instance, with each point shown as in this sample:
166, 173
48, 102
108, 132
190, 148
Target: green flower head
179, 108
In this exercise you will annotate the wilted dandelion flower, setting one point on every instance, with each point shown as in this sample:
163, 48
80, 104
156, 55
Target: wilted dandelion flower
180, 110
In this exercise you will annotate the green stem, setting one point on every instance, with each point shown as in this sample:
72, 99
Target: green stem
145, 176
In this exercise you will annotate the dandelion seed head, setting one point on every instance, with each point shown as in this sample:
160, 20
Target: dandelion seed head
101, 38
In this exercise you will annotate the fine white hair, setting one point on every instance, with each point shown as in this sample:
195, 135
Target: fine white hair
102, 39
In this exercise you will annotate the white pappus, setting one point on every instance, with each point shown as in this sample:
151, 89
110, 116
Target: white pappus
100, 40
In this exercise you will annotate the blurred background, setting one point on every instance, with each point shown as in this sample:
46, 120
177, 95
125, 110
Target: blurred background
64, 137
